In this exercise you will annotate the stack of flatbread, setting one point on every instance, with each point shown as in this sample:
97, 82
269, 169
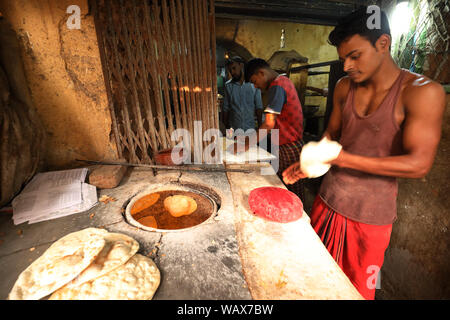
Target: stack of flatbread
91, 264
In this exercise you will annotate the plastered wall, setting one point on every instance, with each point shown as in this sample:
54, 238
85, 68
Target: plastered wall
417, 262
64, 73
262, 38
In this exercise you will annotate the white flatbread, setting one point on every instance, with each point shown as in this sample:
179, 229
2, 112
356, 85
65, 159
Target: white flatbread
315, 155
117, 250
180, 205
59, 264
137, 279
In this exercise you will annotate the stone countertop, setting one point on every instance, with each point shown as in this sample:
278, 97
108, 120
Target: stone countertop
197, 263
283, 260
235, 255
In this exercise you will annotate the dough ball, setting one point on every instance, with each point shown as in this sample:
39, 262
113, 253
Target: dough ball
180, 205
315, 155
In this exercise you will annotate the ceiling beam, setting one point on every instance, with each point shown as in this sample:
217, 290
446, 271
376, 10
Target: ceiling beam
324, 12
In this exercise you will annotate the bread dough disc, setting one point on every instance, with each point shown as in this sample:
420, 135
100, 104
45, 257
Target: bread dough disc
315, 155
180, 205
137, 279
144, 202
117, 250
275, 204
60, 263
149, 221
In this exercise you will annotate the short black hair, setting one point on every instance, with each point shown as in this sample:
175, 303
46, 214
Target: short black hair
237, 59
356, 23
253, 66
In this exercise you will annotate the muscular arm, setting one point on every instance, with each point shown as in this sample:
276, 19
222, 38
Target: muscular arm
268, 124
424, 106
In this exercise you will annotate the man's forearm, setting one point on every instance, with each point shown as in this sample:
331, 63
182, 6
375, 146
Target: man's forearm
257, 137
261, 133
330, 136
404, 166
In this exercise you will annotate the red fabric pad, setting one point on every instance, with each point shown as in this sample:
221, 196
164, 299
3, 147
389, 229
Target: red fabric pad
275, 204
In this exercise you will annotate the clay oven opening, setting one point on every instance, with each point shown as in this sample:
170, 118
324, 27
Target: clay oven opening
149, 209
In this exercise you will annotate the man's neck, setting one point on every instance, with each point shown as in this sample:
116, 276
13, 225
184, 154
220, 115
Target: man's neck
240, 80
272, 76
384, 77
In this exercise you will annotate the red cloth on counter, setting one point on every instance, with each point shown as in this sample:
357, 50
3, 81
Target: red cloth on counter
358, 248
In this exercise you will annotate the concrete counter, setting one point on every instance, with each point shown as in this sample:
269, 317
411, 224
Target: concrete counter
283, 260
235, 255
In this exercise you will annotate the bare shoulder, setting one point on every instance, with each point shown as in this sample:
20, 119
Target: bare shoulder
342, 87
343, 84
422, 92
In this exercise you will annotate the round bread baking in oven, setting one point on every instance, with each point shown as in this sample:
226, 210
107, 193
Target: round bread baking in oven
180, 205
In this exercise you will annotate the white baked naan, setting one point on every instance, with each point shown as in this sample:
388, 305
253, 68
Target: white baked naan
59, 264
117, 250
137, 279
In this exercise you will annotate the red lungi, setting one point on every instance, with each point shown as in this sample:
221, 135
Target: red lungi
358, 248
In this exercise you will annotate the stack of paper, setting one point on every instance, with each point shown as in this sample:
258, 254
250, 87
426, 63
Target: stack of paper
55, 194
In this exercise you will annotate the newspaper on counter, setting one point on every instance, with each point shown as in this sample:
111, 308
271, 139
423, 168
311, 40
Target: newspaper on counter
55, 194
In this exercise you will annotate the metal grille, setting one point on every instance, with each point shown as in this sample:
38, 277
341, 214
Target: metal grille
159, 67
425, 47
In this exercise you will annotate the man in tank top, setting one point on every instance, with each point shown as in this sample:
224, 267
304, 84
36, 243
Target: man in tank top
388, 121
